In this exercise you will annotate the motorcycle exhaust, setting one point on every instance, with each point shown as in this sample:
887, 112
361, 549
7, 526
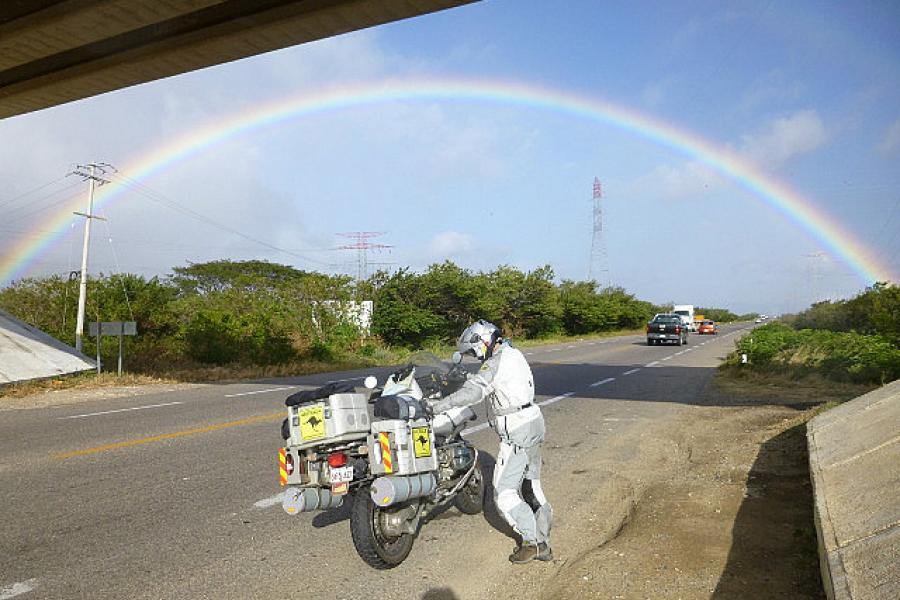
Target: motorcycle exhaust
298, 500
390, 490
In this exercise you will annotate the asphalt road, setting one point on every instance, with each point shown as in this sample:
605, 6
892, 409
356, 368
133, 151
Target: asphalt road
176, 495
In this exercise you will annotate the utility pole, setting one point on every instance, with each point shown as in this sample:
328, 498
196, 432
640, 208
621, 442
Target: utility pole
90, 174
599, 264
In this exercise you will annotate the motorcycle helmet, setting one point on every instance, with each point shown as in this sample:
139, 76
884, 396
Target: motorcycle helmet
478, 339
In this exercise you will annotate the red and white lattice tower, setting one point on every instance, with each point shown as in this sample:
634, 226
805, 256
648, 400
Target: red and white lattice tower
598, 269
362, 246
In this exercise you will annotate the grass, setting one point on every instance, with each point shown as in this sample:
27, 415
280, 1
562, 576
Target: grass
810, 388
88, 380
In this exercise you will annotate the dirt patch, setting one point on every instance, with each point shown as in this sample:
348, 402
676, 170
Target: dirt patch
45, 398
731, 519
735, 521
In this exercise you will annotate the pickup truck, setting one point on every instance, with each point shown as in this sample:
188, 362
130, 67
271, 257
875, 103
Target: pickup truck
667, 328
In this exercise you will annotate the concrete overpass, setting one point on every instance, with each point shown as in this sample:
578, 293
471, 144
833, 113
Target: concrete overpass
56, 51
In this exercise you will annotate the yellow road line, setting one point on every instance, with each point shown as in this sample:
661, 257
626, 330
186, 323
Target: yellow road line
170, 436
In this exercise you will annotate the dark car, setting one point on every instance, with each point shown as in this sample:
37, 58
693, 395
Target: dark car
666, 328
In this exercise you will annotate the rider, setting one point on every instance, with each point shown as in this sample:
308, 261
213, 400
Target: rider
505, 378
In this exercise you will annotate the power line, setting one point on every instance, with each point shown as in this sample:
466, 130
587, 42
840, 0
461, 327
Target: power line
171, 204
29, 192
40, 208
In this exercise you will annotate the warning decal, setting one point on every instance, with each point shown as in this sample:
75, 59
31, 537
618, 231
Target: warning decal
421, 441
312, 422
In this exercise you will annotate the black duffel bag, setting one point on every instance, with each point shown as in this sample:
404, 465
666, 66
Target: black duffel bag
399, 407
307, 396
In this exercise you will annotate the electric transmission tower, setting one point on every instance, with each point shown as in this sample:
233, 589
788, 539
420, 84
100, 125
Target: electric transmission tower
598, 269
362, 246
93, 174
814, 275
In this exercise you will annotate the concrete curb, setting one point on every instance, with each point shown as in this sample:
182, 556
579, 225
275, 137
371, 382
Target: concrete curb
854, 463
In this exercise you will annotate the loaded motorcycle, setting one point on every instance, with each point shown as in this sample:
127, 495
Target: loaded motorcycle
400, 464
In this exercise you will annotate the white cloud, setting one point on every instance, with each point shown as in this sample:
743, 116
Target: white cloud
451, 244
771, 147
784, 139
656, 93
770, 89
891, 141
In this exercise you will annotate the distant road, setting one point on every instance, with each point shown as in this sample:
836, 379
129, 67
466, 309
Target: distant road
176, 495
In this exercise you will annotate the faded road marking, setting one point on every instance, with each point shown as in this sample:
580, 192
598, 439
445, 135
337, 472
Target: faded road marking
170, 436
109, 412
556, 399
603, 381
281, 389
631, 371
651, 364
267, 502
17, 589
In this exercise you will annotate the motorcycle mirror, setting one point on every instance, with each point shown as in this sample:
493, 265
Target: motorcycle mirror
456, 358
370, 382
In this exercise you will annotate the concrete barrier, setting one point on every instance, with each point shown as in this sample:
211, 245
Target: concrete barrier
28, 353
854, 459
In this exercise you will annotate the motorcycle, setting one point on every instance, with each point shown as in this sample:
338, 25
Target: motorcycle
400, 464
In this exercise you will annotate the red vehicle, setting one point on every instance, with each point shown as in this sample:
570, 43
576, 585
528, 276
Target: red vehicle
709, 327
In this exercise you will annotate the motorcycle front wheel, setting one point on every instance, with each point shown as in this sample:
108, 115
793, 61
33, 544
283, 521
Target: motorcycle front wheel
374, 546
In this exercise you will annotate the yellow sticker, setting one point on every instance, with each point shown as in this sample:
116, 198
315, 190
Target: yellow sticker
421, 441
312, 422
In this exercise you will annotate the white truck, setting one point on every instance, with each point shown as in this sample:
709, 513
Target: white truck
686, 312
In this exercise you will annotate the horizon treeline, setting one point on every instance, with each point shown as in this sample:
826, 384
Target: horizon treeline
262, 313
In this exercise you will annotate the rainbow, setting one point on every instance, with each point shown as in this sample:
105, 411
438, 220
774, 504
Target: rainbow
803, 212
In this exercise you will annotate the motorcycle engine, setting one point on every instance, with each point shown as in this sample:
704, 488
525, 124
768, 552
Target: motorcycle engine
456, 458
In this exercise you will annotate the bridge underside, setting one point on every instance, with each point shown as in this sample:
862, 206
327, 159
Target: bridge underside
56, 51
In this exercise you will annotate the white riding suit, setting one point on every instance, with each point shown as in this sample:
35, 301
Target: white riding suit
505, 378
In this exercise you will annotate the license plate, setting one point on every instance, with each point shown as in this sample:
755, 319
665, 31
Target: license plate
341, 474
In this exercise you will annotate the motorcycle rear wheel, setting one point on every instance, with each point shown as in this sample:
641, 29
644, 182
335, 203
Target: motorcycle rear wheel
376, 548
470, 499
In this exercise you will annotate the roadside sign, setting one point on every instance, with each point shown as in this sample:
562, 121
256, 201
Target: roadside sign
117, 328
113, 328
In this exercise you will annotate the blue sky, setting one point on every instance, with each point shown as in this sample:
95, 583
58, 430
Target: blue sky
808, 92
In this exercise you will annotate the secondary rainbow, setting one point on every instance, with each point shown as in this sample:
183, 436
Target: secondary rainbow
824, 229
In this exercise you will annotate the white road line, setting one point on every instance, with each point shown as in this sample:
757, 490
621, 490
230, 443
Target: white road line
667, 358
17, 589
267, 502
631, 371
556, 399
108, 412
651, 364
528, 353
570, 346
603, 381
281, 389
342, 380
